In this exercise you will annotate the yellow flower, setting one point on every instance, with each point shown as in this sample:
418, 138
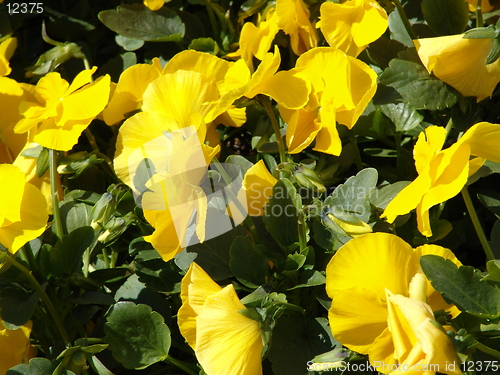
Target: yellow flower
256, 40
288, 88
12, 94
28, 166
353, 25
342, 87
24, 211
225, 341
485, 5
127, 96
7, 48
258, 186
154, 4
421, 346
443, 173
63, 111
14, 346
293, 19
460, 63
359, 279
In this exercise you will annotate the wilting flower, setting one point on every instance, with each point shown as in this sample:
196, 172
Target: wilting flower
342, 87
443, 173
225, 341
24, 211
382, 304
353, 25
127, 96
14, 346
7, 48
154, 4
460, 63
62, 111
293, 19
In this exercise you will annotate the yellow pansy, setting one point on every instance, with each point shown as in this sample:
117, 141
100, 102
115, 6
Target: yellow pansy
342, 87
127, 97
28, 166
154, 4
214, 69
255, 41
164, 163
443, 173
486, 5
14, 346
12, 94
353, 25
293, 19
24, 210
7, 48
420, 345
258, 186
63, 111
360, 277
460, 63
288, 88
225, 341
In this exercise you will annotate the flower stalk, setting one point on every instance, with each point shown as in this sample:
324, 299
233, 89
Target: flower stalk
54, 182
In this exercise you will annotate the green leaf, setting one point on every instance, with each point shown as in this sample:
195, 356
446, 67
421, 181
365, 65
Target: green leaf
281, 215
403, 115
446, 17
491, 199
398, 30
248, 264
75, 215
139, 22
128, 44
66, 256
295, 341
462, 286
381, 197
493, 268
16, 306
137, 336
207, 45
36, 366
42, 163
417, 86
351, 198
481, 33
241, 162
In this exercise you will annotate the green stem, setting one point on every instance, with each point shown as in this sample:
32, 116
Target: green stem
406, 23
46, 300
91, 140
487, 350
357, 154
58, 228
302, 230
399, 152
180, 364
27, 254
477, 224
105, 256
266, 103
479, 14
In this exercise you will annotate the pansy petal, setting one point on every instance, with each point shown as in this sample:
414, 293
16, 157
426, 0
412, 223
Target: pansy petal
228, 342
85, 103
369, 261
328, 141
258, 184
429, 144
483, 140
302, 128
13, 345
61, 138
357, 317
7, 48
196, 287
82, 78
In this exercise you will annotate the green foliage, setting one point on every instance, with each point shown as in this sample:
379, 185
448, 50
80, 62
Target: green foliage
137, 336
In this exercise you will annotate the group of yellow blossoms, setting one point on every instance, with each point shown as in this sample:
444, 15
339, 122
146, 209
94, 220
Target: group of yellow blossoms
376, 311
